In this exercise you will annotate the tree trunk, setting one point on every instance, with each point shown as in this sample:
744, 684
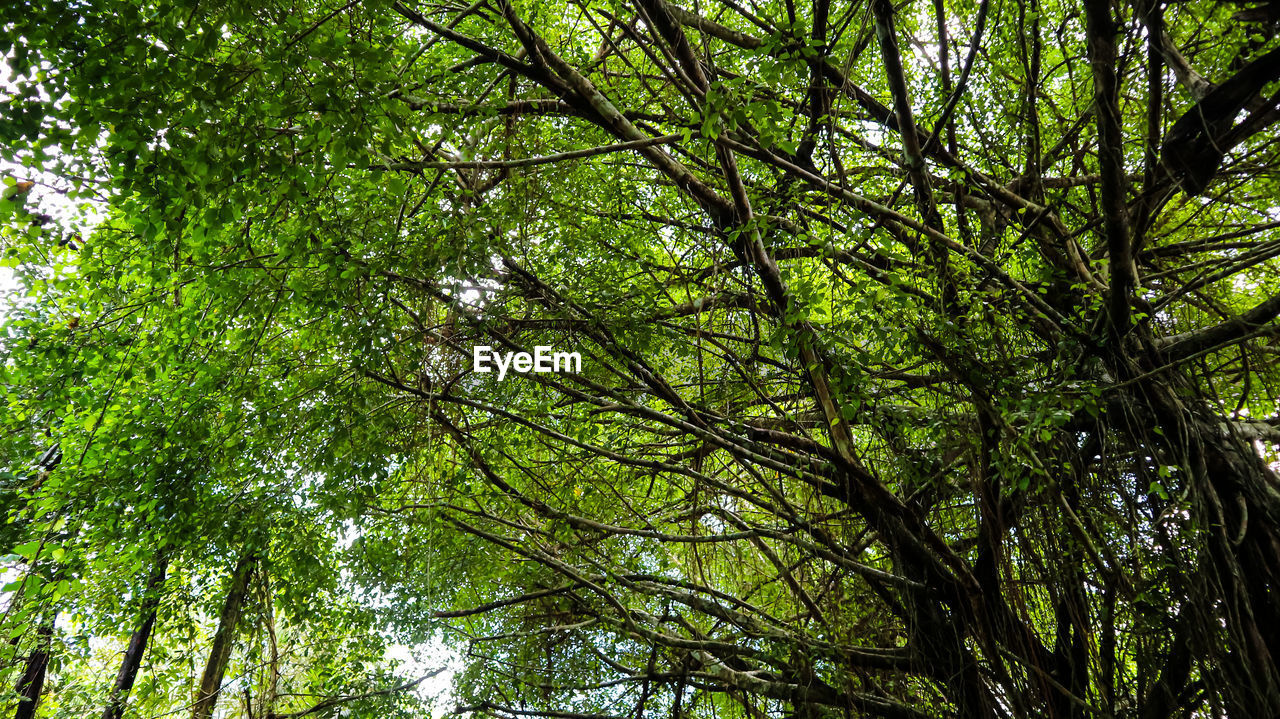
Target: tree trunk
137, 645
32, 681
220, 652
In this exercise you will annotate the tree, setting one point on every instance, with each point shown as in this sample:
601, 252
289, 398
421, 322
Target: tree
131, 662
927, 349
220, 652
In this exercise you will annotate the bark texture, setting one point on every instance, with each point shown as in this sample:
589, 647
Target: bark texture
224, 639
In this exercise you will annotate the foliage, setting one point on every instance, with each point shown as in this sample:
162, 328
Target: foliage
927, 356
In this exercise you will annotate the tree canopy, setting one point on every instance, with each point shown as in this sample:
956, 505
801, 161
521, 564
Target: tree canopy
927, 358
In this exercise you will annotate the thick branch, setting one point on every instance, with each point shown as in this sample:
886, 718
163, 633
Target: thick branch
1102, 31
1182, 346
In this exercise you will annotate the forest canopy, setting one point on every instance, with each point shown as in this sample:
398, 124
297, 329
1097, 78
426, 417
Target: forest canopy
927, 358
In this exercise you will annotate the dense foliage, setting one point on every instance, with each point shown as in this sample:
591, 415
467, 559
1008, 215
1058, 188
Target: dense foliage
928, 358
